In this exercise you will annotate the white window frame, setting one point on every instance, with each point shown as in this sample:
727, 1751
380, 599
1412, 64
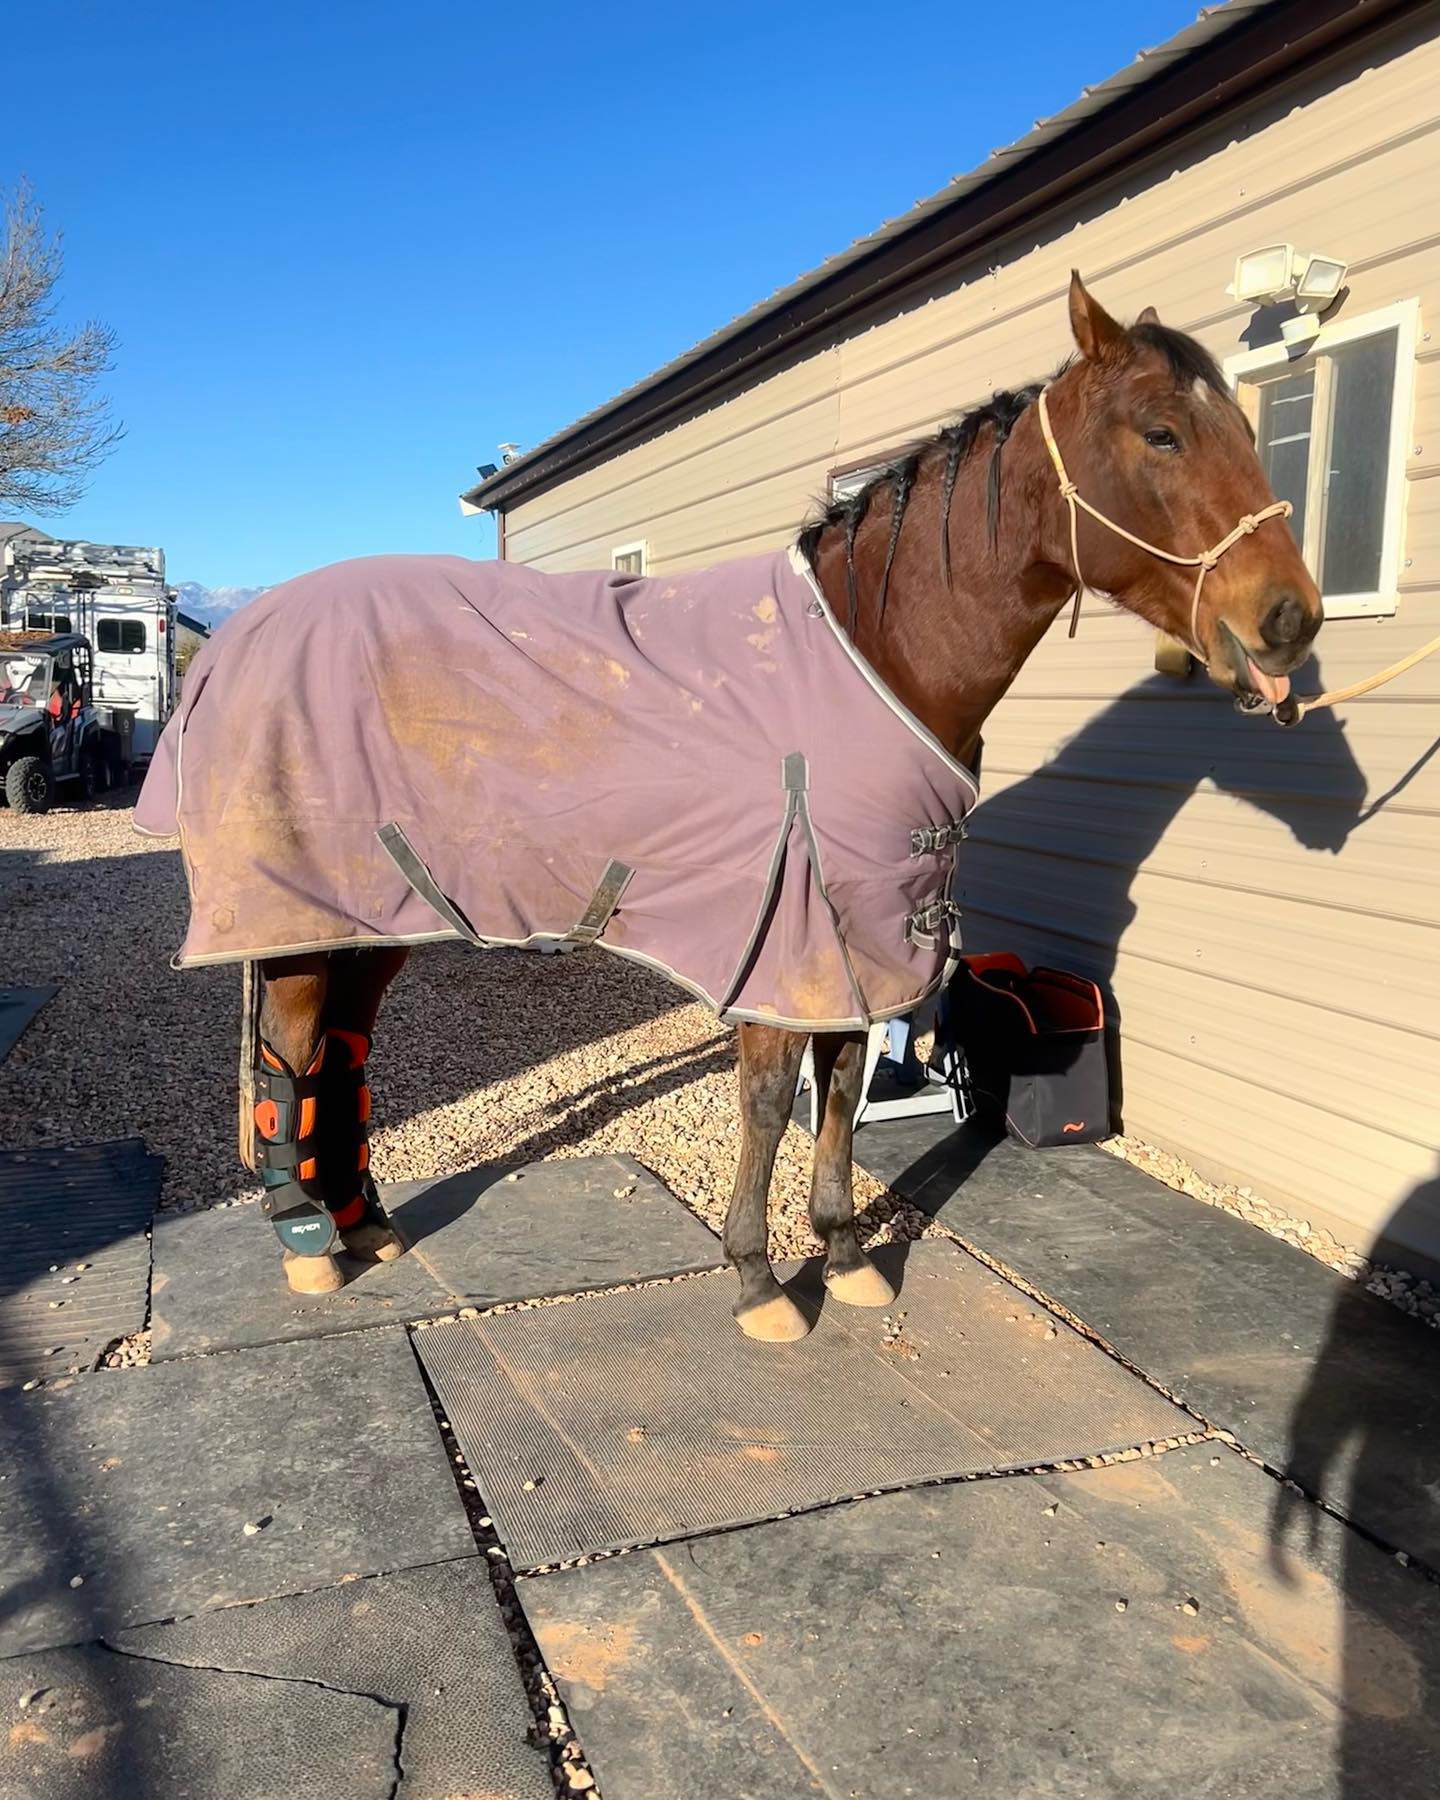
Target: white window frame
642, 545
1403, 318
850, 481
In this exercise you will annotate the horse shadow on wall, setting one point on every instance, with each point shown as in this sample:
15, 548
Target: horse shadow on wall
1051, 864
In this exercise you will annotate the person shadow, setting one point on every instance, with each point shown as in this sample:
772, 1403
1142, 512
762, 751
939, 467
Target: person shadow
1054, 857
1365, 1432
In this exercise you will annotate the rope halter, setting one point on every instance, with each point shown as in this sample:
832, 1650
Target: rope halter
1202, 564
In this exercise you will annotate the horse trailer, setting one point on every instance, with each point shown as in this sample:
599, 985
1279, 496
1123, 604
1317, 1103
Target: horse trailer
113, 594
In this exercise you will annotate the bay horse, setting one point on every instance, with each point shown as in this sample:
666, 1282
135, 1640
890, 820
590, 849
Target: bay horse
1132, 473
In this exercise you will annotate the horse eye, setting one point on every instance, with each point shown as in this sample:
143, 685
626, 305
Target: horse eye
1162, 438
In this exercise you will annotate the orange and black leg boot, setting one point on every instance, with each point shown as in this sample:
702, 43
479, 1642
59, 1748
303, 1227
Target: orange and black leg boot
312, 1154
344, 1132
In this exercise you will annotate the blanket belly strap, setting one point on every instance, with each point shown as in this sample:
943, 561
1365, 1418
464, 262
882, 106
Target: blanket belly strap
603, 902
597, 914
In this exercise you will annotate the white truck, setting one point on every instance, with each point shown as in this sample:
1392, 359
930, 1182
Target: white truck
114, 595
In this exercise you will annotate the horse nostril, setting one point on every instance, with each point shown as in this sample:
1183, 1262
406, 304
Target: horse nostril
1284, 624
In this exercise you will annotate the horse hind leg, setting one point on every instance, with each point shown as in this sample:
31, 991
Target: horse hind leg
358, 983
850, 1276
283, 1017
310, 1110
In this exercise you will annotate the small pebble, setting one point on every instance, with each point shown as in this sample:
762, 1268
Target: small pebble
624, 1193
1120, 1605
29, 1697
580, 1779
82, 1265
28, 1385
1190, 1607
1402, 1559
65, 1280
1051, 1510
77, 1581
530, 1486
251, 1528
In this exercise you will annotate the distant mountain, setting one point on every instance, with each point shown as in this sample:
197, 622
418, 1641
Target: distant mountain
213, 606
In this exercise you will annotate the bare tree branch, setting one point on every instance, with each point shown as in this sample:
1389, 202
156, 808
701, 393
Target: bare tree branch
54, 429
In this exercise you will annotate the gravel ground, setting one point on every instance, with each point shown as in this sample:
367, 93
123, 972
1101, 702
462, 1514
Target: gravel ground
507, 1056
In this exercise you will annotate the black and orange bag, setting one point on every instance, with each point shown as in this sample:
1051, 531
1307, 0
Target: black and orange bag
1034, 1047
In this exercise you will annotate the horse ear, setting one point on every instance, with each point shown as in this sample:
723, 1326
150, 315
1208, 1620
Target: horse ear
1148, 317
1099, 338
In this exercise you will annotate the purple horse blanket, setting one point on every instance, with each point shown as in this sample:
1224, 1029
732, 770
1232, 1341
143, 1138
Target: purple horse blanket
697, 771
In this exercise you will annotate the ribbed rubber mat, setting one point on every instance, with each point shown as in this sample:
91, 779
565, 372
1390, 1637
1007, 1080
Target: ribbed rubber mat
76, 1269
18, 1006
641, 1417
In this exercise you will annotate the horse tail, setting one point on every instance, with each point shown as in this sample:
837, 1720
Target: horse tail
251, 991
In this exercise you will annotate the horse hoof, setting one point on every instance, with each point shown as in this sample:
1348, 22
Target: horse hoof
861, 1286
777, 1321
374, 1242
313, 1274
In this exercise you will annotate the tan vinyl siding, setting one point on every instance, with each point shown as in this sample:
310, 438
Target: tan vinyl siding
1276, 962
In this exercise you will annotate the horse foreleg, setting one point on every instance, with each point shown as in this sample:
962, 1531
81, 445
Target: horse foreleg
849, 1274
769, 1066
316, 1019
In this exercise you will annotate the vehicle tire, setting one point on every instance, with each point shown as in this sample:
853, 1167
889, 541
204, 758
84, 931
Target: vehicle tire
92, 773
29, 785
114, 763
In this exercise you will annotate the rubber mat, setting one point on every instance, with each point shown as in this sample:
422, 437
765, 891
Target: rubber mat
87, 1724
126, 1494
1312, 1373
429, 1644
76, 1268
477, 1239
641, 1417
1127, 1633
18, 1006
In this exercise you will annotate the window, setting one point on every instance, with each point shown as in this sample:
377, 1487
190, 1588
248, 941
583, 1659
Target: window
56, 622
850, 481
122, 637
1331, 427
630, 559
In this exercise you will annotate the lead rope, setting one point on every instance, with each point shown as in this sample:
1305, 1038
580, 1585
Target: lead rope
1203, 563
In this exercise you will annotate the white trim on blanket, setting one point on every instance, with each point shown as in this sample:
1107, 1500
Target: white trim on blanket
927, 737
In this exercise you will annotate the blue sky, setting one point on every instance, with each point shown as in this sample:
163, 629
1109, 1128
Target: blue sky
349, 249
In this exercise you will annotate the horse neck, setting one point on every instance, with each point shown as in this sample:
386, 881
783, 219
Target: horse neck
949, 652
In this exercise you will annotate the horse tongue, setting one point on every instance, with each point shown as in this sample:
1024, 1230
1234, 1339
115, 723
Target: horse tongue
1273, 687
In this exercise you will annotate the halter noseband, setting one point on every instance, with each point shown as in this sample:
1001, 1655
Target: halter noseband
1202, 564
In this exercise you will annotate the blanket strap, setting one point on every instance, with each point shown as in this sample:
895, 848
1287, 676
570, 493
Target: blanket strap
401, 852
925, 922
596, 916
603, 902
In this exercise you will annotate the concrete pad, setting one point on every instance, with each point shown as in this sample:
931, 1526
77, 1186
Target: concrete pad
489, 1235
968, 1640
124, 1494
645, 1416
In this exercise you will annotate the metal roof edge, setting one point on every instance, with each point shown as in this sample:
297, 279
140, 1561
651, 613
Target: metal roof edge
1228, 52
